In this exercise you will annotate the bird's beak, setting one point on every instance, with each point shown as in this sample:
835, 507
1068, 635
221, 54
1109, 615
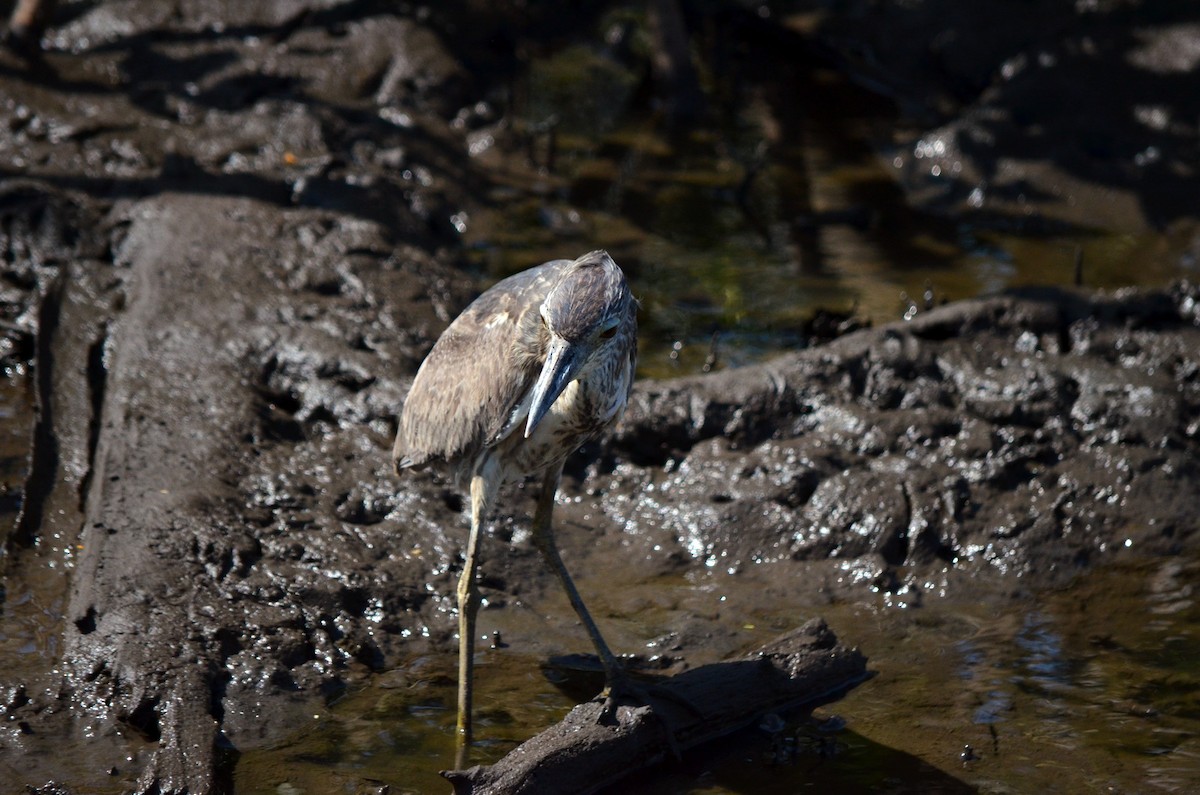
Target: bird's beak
562, 365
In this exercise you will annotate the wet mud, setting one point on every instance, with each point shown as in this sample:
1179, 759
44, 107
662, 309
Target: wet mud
230, 234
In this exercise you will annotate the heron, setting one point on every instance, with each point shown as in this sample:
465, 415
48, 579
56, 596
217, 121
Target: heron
537, 366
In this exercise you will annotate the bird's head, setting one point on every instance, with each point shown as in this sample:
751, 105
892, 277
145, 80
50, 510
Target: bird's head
587, 316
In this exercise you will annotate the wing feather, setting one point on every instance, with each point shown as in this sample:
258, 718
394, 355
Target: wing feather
477, 373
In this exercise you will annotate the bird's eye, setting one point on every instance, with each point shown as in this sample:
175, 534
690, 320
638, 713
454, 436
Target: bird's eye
608, 334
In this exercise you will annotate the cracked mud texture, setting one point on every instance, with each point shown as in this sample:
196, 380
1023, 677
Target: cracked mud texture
229, 243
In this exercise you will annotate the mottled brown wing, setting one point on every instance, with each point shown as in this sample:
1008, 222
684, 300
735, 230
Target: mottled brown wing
468, 385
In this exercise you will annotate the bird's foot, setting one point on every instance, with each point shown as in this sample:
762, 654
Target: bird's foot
621, 689
618, 690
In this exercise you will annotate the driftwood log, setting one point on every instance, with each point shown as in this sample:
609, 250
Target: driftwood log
583, 754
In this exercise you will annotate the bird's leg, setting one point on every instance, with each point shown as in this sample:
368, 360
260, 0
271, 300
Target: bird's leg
617, 683
543, 537
482, 490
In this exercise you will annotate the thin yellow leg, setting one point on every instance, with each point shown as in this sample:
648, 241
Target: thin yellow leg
483, 487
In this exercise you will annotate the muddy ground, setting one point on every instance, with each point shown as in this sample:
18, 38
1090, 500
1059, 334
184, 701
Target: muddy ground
230, 237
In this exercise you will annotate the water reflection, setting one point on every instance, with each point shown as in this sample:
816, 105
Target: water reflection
1042, 653
1087, 680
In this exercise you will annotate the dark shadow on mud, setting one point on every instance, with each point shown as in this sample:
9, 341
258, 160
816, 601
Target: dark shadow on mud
1097, 92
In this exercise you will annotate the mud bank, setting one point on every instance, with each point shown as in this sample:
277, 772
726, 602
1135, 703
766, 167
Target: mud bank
231, 238
233, 544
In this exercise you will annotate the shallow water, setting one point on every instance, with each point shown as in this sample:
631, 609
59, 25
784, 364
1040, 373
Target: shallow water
1092, 688
784, 203
31, 606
